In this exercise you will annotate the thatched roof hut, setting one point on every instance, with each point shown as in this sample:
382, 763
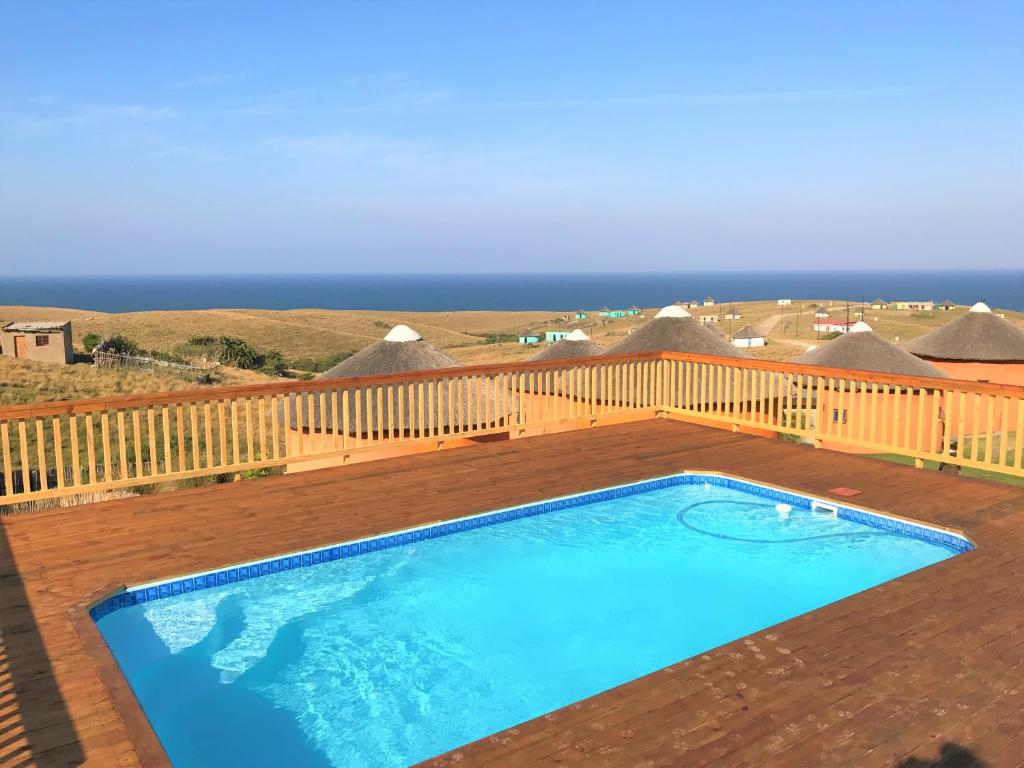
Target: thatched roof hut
977, 336
673, 329
576, 345
402, 351
864, 350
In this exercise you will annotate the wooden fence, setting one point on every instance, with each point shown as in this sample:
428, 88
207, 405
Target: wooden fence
55, 449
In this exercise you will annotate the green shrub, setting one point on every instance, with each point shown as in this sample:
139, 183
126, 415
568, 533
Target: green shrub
90, 340
274, 364
318, 364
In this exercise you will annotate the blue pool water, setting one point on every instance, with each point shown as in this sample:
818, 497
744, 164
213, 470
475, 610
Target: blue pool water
390, 657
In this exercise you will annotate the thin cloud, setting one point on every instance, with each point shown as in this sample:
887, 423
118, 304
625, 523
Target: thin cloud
444, 100
714, 98
93, 116
208, 80
400, 102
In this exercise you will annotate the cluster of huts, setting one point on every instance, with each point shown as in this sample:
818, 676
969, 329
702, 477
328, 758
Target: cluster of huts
978, 346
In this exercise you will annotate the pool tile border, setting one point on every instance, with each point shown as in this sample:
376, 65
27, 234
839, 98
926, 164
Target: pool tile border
305, 559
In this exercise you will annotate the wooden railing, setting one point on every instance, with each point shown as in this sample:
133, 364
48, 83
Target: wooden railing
969, 424
84, 446
63, 448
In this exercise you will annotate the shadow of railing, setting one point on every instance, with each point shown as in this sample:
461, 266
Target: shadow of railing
951, 755
35, 726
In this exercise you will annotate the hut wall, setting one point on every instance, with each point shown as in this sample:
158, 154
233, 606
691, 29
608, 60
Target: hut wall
997, 373
891, 418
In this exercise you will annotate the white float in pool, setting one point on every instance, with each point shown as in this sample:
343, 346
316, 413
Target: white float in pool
783, 510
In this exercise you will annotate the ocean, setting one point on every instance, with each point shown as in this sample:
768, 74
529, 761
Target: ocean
435, 293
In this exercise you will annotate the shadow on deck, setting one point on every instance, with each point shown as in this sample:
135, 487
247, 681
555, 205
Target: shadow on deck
35, 725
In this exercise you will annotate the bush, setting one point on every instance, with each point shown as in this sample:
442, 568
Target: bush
90, 340
235, 352
274, 364
119, 345
318, 364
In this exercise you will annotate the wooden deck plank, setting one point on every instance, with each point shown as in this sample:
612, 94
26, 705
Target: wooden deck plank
857, 682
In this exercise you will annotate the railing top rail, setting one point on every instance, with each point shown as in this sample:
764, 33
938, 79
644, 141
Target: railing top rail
97, 404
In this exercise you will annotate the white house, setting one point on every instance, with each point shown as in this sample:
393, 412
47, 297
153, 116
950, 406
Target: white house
747, 337
733, 314
784, 302
832, 326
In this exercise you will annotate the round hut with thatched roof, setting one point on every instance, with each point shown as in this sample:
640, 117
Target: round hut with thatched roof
747, 337
844, 413
576, 345
673, 329
977, 346
558, 382
397, 409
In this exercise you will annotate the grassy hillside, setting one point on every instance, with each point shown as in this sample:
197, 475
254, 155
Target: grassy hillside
313, 334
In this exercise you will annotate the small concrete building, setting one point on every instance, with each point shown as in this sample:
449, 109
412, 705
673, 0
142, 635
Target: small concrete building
821, 313
733, 314
633, 310
784, 302
553, 336
747, 337
48, 342
581, 315
529, 337
879, 304
947, 306
708, 301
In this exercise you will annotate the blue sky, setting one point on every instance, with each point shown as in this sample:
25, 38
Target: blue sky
150, 137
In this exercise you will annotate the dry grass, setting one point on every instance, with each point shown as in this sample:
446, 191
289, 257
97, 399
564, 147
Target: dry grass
63, 502
27, 381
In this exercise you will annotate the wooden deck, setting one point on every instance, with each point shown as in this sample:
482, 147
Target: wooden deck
892, 674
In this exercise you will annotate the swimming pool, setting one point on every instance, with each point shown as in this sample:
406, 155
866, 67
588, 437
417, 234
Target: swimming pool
387, 651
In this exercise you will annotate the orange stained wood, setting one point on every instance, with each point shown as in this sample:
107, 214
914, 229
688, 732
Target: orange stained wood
897, 671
